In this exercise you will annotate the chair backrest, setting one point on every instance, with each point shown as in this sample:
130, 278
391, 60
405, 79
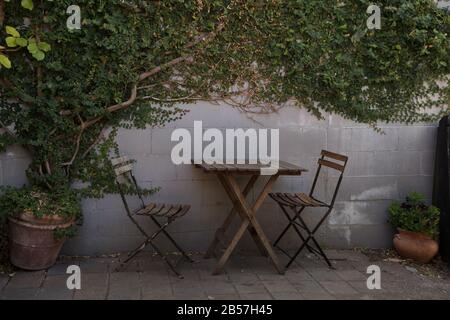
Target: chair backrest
123, 169
334, 161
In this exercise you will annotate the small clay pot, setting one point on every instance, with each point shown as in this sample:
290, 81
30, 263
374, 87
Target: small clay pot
46, 220
415, 246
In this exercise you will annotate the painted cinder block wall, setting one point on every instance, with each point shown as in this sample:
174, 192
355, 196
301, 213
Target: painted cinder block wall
381, 168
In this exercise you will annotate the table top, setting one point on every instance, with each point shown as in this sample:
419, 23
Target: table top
285, 168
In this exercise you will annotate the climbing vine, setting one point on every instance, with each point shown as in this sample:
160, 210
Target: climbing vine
135, 63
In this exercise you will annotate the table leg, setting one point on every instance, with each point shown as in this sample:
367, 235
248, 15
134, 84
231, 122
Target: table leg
248, 216
251, 230
220, 233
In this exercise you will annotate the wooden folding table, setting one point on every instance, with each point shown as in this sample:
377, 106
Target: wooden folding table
227, 176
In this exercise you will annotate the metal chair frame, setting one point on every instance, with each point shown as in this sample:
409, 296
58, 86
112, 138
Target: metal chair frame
124, 168
297, 203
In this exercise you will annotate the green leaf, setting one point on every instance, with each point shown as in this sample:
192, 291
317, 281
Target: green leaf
12, 31
39, 55
44, 46
32, 47
27, 4
21, 42
4, 61
11, 42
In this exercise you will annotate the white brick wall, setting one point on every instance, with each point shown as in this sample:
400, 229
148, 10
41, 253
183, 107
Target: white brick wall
381, 168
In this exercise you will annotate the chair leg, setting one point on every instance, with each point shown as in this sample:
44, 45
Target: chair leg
185, 255
287, 227
131, 255
291, 224
164, 257
310, 237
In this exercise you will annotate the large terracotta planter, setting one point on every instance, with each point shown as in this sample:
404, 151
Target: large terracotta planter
415, 246
32, 242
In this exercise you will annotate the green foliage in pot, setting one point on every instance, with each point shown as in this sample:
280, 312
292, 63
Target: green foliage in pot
64, 203
415, 215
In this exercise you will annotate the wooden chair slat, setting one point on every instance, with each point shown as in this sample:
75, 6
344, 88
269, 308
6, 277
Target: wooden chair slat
183, 211
147, 209
291, 200
310, 201
332, 165
156, 209
120, 160
175, 209
334, 155
278, 198
167, 208
122, 170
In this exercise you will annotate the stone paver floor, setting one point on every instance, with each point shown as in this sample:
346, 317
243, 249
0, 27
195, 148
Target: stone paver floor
245, 277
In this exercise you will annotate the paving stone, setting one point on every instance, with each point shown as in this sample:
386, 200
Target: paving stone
158, 297
188, 274
318, 296
156, 291
256, 296
19, 294
243, 277
198, 296
59, 269
94, 280
131, 266
298, 276
55, 294
250, 287
352, 275
3, 281
224, 297
94, 286
124, 286
55, 282
274, 286
309, 287
218, 287
287, 296
151, 279
187, 287
338, 287
361, 286
22, 280
324, 275
95, 293
95, 266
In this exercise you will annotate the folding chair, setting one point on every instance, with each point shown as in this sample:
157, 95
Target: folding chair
168, 213
297, 202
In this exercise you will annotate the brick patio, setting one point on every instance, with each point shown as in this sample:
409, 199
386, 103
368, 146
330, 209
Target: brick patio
246, 277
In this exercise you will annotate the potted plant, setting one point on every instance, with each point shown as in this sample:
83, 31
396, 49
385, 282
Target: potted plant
39, 223
418, 227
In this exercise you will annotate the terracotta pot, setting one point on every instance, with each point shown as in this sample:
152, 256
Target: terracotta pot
44, 220
33, 245
415, 246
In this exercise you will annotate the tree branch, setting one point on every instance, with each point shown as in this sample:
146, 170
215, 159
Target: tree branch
134, 90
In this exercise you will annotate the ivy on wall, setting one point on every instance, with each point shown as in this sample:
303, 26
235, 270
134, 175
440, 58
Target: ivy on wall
133, 63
